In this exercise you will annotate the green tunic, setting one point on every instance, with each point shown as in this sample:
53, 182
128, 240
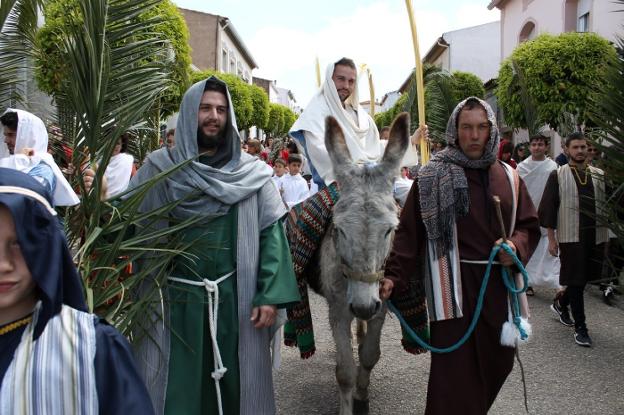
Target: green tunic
190, 387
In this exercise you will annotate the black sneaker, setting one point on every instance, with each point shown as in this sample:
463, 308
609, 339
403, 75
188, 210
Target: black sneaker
563, 313
581, 337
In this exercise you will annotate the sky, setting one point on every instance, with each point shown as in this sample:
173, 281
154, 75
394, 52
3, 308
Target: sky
285, 37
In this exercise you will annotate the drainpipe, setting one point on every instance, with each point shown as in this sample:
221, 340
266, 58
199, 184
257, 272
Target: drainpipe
445, 46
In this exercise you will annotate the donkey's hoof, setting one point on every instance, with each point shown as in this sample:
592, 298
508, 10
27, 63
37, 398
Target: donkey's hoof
360, 407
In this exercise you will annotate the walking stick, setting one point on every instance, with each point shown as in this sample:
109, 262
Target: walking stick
523, 299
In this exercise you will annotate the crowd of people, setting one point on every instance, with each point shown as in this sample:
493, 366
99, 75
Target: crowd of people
208, 348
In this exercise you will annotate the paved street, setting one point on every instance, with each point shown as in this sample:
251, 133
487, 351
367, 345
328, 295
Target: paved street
562, 378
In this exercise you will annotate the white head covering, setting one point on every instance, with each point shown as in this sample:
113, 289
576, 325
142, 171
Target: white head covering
32, 133
118, 173
362, 137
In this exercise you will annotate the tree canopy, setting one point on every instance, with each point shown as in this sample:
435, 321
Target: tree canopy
559, 73
443, 91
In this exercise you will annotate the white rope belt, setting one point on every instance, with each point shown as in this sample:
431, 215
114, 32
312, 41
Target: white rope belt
212, 290
478, 261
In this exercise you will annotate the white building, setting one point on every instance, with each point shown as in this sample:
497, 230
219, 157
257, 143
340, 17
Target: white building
473, 49
524, 19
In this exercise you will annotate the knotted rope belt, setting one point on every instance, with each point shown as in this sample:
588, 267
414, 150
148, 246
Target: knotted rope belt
212, 291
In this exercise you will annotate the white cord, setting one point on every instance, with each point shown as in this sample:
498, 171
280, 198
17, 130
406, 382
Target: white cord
212, 289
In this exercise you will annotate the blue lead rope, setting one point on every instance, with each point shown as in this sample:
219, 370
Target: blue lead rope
510, 284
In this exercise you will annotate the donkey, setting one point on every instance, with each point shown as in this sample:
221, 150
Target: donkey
352, 256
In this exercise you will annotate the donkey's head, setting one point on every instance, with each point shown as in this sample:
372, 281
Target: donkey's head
365, 216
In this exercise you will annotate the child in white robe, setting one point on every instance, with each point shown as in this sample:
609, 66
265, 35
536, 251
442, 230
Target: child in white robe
293, 186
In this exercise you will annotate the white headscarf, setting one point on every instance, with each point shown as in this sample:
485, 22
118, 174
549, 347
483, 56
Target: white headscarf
118, 173
362, 138
32, 134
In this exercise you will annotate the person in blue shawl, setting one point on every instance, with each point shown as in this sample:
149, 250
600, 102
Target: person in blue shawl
55, 357
207, 349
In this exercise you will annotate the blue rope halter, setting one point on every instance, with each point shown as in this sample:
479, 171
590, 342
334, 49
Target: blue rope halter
510, 284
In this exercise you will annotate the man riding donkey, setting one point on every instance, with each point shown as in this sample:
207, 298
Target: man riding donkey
308, 221
447, 231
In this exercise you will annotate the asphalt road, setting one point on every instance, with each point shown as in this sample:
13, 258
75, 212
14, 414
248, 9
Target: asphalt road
562, 377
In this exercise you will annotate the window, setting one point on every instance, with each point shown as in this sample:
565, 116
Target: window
527, 32
232, 63
583, 23
224, 60
239, 70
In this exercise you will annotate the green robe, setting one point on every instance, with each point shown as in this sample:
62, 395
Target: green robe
190, 387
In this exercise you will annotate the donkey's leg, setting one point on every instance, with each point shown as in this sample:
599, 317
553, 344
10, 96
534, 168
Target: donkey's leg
340, 321
369, 353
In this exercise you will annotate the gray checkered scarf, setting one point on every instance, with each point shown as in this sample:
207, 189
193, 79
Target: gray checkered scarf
443, 188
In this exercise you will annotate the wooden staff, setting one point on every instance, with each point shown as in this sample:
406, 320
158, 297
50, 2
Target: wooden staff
524, 302
420, 87
499, 214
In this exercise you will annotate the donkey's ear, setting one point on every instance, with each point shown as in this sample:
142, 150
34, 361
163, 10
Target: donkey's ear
397, 143
336, 145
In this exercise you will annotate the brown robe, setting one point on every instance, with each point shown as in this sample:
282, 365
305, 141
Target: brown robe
467, 380
580, 261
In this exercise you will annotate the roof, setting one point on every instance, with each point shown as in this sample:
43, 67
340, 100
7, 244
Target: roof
436, 49
496, 3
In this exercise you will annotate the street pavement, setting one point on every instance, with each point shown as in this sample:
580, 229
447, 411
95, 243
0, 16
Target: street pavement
561, 377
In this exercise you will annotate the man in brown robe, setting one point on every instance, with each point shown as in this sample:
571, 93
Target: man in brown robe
450, 219
572, 195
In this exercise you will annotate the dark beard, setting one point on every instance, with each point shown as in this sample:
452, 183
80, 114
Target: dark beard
209, 142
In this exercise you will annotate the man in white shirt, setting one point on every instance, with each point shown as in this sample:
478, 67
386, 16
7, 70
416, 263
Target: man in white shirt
543, 268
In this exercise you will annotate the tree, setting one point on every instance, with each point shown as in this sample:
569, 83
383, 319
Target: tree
260, 102
466, 84
560, 73
443, 91
170, 29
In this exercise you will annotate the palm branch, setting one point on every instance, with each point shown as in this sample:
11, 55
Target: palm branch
118, 73
18, 24
606, 111
434, 78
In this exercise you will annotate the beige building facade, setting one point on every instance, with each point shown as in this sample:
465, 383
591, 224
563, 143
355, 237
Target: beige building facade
215, 44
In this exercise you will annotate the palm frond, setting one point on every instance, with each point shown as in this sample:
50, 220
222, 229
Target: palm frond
18, 23
606, 111
119, 70
431, 75
530, 109
440, 103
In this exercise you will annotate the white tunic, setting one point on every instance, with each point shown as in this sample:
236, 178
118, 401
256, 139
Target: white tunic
294, 189
543, 268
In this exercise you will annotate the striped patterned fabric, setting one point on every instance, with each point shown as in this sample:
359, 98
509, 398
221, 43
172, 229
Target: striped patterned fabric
54, 374
305, 227
568, 215
443, 284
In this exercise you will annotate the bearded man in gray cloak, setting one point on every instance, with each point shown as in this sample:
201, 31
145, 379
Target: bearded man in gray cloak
209, 352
